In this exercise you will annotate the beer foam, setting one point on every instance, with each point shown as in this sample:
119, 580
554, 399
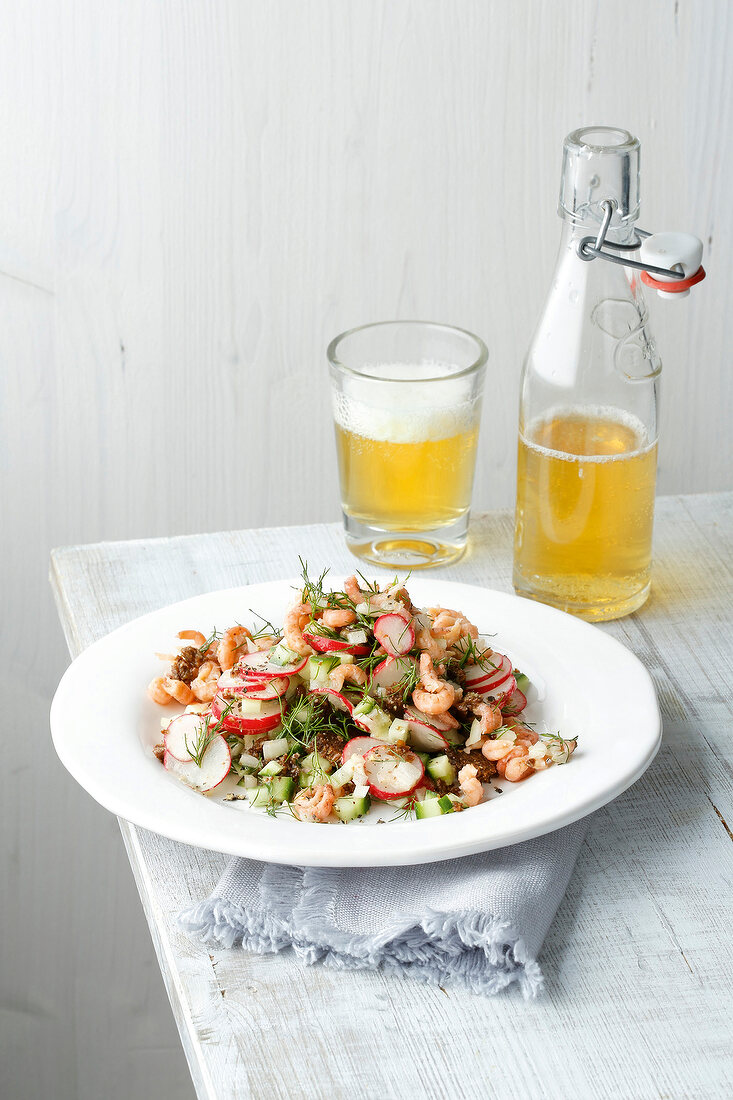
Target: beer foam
600, 412
426, 404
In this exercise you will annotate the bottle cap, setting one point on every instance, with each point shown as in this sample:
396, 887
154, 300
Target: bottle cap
678, 252
600, 162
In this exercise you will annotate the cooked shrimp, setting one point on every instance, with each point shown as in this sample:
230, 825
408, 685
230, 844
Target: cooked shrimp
434, 647
489, 716
179, 691
336, 617
352, 673
515, 766
296, 619
471, 788
194, 636
157, 692
352, 590
435, 696
204, 686
497, 750
451, 625
232, 641
314, 803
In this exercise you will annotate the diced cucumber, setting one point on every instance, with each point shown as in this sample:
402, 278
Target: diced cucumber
441, 768
281, 655
344, 775
429, 807
259, 796
446, 804
319, 669
348, 807
365, 707
372, 716
274, 748
425, 757
399, 730
271, 769
314, 769
345, 658
282, 788
247, 781
523, 682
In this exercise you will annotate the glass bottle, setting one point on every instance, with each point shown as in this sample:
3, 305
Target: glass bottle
588, 407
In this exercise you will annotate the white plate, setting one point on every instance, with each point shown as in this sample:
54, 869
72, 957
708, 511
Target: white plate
585, 685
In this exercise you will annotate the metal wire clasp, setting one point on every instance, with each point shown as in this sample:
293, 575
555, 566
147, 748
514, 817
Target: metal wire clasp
591, 248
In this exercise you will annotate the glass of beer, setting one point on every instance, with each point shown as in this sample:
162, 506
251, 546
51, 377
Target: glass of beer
406, 405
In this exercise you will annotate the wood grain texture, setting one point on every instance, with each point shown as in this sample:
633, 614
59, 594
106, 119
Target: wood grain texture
194, 198
638, 961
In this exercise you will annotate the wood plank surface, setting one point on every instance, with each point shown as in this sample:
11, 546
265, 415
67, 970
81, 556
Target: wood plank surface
638, 961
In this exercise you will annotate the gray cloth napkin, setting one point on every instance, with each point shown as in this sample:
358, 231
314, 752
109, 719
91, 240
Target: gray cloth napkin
479, 921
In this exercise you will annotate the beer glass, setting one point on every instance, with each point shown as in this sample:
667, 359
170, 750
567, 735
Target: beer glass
406, 406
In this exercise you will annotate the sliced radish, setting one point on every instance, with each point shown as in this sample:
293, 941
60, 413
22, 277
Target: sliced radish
392, 773
231, 684
500, 692
184, 731
259, 664
322, 644
394, 633
233, 681
358, 746
392, 670
484, 671
335, 698
498, 676
515, 704
269, 716
424, 736
215, 765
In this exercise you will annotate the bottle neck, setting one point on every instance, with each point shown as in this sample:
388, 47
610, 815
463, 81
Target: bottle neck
574, 230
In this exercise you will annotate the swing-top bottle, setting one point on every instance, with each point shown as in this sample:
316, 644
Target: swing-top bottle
588, 408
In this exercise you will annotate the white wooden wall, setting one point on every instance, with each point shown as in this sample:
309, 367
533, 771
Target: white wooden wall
194, 197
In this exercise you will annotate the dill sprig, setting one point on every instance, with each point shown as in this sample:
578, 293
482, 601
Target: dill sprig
406, 812
468, 653
409, 681
368, 587
213, 637
267, 627
308, 717
312, 590
206, 735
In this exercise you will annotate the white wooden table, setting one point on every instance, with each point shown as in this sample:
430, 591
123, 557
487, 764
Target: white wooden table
638, 963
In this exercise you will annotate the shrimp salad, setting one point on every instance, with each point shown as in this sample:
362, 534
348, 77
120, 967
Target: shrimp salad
360, 697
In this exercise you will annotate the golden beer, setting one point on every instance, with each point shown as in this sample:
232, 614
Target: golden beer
406, 485
585, 509
406, 399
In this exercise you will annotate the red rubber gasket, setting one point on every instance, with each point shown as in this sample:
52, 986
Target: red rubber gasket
676, 287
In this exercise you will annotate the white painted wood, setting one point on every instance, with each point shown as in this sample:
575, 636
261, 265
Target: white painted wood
194, 198
638, 961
